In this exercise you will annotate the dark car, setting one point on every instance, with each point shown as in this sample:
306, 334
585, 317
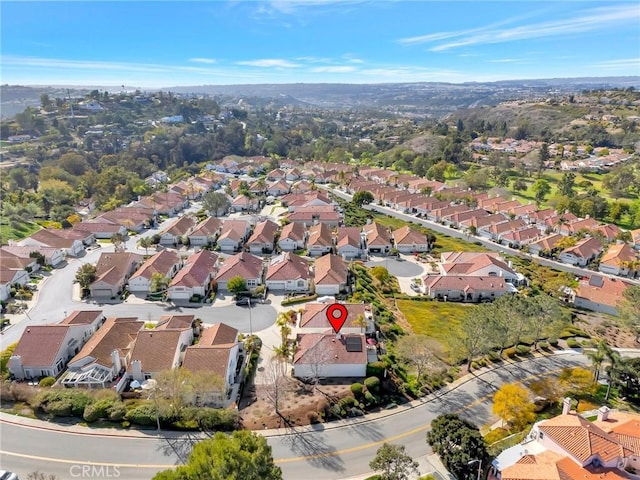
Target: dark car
244, 301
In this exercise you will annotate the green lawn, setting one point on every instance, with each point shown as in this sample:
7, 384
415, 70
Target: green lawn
8, 232
438, 320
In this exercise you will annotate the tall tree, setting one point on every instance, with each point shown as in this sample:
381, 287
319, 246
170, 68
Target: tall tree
393, 463
86, 275
242, 455
541, 189
513, 404
145, 242
362, 197
237, 285
215, 203
458, 443
159, 283
118, 240
474, 336
567, 184
419, 351
629, 309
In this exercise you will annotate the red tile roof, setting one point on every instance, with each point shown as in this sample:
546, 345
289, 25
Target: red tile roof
288, 266
333, 350
242, 264
330, 270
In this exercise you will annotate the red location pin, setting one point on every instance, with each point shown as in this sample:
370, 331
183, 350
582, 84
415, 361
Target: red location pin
337, 314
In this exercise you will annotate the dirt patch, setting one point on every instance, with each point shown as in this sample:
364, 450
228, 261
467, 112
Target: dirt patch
300, 405
606, 328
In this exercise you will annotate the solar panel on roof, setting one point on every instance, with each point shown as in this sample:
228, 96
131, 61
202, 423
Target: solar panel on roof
354, 344
596, 281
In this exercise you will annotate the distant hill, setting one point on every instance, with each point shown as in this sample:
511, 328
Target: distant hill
423, 99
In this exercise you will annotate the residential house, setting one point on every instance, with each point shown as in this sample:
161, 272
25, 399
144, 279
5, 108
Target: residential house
278, 188
545, 245
275, 175
10, 277
313, 319
587, 225
455, 288
331, 275
438, 214
131, 218
541, 216
600, 294
158, 350
497, 230
455, 219
293, 237
608, 231
244, 203
315, 214
194, 279
292, 175
327, 355
52, 256
482, 225
320, 240
166, 263
243, 265
44, 350
620, 259
288, 273
217, 352
478, 264
582, 253
72, 246
233, 235
263, 238
377, 238
569, 446
113, 270
180, 229
100, 228
206, 232
635, 238
315, 198
349, 243
520, 238
409, 240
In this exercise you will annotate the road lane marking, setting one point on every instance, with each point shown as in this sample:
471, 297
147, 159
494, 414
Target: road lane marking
278, 460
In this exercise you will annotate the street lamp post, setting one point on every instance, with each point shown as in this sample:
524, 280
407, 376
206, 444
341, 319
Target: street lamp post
471, 462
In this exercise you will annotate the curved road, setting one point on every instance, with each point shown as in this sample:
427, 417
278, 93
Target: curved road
331, 451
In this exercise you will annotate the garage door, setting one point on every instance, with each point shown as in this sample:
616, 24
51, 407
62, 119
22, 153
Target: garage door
101, 292
276, 285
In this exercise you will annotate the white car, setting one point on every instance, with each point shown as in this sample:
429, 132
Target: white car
326, 299
415, 287
4, 475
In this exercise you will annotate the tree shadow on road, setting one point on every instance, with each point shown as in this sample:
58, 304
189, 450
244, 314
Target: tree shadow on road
180, 446
364, 430
314, 448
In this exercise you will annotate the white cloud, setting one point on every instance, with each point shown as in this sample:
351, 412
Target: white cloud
505, 60
334, 69
269, 63
594, 19
208, 61
623, 63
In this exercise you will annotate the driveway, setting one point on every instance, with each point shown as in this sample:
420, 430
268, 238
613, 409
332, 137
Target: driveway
404, 270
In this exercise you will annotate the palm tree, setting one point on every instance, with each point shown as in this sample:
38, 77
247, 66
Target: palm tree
597, 357
117, 239
145, 242
614, 359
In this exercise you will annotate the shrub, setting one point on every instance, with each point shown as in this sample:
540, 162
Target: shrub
543, 345
206, 418
523, 350
144, 415
356, 389
97, 410
62, 402
572, 343
553, 342
47, 382
376, 369
370, 399
117, 412
313, 417
509, 352
22, 392
372, 384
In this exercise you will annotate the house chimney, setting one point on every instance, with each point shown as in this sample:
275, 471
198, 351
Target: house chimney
603, 413
566, 406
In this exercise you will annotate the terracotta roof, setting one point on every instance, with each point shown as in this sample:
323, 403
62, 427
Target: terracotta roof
507, 226
484, 221
179, 322
155, 349
207, 227
348, 236
162, 262
7, 275
333, 350
10, 260
585, 248
288, 266
82, 317
39, 344
522, 235
320, 234
618, 253
465, 283
113, 267
97, 227
549, 242
625, 427
321, 213
219, 334
330, 270
581, 439
264, 232
377, 234
233, 229
49, 238
198, 358
609, 231
575, 226
469, 262
409, 236
197, 269
609, 293
315, 315
242, 264
182, 227
114, 334
293, 231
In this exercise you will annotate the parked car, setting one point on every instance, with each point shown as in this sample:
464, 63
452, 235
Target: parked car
243, 301
4, 475
415, 287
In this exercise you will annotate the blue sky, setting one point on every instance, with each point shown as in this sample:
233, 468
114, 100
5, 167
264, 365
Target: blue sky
162, 43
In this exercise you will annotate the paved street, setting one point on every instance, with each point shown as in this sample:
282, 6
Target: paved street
326, 452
